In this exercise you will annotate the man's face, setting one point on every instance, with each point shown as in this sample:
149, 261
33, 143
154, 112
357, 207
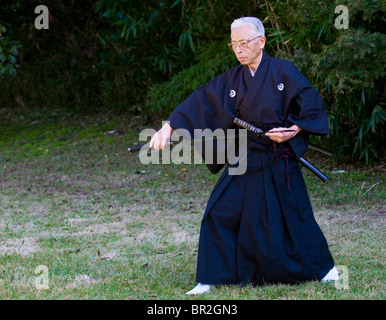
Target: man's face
252, 54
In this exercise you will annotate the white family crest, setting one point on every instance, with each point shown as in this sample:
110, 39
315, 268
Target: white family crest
280, 86
232, 93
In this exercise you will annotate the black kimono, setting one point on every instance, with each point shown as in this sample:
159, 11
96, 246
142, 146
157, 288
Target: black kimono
259, 227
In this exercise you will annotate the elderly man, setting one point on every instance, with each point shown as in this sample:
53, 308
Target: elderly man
258, 227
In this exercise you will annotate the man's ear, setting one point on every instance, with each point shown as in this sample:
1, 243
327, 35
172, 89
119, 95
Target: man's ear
262, 42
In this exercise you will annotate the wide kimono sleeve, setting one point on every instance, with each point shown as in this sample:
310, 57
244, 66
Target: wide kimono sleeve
205, 108
306, 109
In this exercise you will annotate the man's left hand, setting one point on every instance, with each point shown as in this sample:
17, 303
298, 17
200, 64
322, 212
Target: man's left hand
281, 137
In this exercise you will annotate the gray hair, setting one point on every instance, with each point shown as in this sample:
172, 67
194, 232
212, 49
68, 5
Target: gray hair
255, 23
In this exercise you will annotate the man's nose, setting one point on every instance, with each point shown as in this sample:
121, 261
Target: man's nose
238, 48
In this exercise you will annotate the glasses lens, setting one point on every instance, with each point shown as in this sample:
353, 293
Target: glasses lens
233, 46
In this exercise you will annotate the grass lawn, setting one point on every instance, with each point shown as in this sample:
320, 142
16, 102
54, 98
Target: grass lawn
105, 226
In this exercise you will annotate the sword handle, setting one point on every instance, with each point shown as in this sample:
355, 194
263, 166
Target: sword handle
254, 129
247, 126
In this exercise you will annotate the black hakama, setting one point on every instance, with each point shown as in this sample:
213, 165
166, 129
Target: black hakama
259, 227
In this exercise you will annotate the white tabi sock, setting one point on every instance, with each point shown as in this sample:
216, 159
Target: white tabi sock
332, 275
200, 289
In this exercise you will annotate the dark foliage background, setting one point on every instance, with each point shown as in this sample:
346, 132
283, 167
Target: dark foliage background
144, 57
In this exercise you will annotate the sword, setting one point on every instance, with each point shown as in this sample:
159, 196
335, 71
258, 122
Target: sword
303, 161
254, 129
134, 149
238, 121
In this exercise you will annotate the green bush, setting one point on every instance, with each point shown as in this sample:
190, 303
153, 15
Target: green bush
9, 49
355, 92
346, 65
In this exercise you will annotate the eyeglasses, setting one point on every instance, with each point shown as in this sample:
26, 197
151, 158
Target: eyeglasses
243, 44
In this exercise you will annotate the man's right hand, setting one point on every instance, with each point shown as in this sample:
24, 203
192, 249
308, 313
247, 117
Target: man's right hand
161, 137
